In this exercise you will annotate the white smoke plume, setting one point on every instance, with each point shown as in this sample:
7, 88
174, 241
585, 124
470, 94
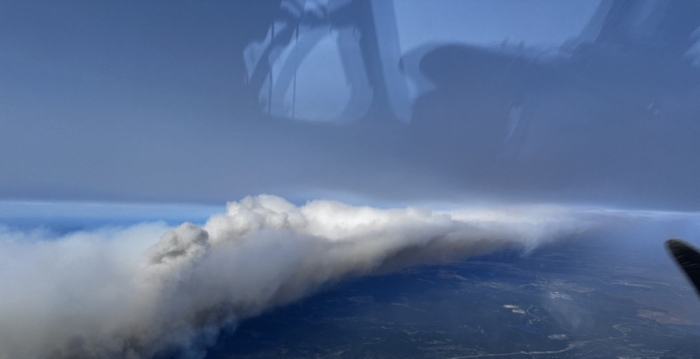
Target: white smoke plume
132, 292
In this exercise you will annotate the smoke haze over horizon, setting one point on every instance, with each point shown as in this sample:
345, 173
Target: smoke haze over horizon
135, 291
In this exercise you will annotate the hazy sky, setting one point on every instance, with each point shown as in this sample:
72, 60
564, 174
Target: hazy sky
137, 101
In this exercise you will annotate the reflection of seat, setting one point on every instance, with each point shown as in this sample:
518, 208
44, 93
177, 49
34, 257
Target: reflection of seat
476, 101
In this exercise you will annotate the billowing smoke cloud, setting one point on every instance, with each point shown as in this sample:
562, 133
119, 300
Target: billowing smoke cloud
133, 292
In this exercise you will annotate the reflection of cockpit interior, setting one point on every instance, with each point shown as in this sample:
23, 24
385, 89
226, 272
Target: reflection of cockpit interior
341, 37
625, 74
362, 80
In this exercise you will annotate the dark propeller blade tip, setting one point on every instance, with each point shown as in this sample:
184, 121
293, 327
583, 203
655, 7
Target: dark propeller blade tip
680, 249
688, 258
